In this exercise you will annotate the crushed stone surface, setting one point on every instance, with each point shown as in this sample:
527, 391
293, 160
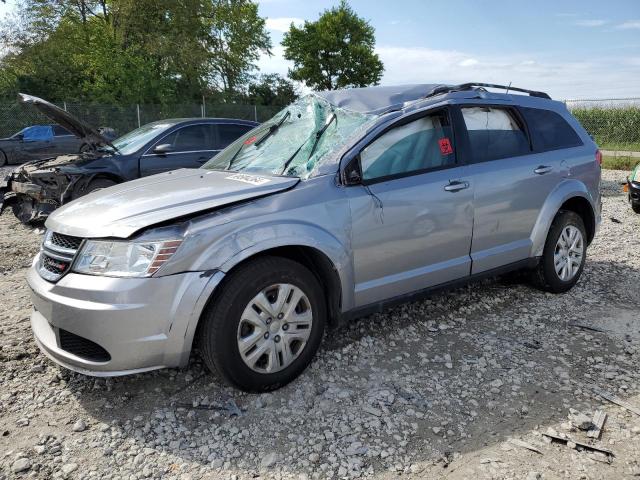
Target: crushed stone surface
458, 386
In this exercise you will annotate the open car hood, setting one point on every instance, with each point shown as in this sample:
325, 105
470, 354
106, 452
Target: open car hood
123, 209
80, 129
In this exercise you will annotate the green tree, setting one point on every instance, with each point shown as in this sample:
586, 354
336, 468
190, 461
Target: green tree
336, 51
272, 89
128, 51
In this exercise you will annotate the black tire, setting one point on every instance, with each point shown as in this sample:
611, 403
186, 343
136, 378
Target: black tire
221, 319
98, 184
545, 276
635, 206
84, 148
3, 159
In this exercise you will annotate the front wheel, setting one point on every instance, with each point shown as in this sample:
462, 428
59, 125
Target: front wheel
265, 326
635, 206
564, 255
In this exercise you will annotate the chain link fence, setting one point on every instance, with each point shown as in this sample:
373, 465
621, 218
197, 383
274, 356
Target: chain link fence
613, 123
14, 116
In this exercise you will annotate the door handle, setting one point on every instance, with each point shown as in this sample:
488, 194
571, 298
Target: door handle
542, 169
456, 185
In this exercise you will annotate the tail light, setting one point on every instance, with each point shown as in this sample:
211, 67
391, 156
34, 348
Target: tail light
599, 157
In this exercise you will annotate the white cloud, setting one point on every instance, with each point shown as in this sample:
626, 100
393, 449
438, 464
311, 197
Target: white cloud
596, 78
632, 24
590, 23
606, 77
282, 24
275, 63
468, 62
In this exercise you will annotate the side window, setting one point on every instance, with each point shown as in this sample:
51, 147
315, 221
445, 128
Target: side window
229, 133
37, 133
59, 131
192, 137
423, 144
494, 133
549, 130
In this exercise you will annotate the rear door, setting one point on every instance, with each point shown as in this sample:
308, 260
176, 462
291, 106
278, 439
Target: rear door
412, 218
190, 147
37, 143
64, 141
511, 183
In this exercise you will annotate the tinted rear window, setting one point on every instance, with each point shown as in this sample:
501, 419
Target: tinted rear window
229, 132
59, 131
494, 133
549, 130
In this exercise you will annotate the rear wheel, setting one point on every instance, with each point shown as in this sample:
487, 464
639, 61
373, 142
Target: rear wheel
564, 254
635, 206
3, 159
265, 325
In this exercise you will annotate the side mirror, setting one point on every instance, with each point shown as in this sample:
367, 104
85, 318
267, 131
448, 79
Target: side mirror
352, 172
20, 137
163, 149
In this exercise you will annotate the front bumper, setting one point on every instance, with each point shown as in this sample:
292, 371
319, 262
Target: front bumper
634, 191
142, 323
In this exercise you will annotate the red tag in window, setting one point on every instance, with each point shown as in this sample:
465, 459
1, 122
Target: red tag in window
445, 146
250, 140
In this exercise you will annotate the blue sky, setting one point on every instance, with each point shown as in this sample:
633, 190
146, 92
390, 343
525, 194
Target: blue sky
569, 48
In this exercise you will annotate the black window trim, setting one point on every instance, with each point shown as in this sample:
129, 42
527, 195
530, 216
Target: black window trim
517, 115
398, 123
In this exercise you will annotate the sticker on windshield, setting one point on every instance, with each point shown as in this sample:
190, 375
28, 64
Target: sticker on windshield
252, 179
250, 140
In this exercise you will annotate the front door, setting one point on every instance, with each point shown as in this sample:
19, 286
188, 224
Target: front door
412, 218
189, 147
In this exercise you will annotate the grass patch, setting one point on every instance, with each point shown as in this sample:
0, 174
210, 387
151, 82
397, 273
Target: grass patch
620, 162
621, 146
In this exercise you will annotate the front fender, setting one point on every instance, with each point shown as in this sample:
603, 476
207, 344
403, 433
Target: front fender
566, 190
234, 247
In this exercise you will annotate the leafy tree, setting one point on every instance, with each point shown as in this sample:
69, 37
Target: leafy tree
336, 51
128, 51
272, 89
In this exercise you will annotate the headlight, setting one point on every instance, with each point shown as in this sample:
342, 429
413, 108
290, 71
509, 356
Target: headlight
124, 259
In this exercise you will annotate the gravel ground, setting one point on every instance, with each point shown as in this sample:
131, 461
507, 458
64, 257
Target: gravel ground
462, 385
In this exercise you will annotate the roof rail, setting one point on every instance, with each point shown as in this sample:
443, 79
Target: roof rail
469, 86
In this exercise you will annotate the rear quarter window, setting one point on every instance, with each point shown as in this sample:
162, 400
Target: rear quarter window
549, 130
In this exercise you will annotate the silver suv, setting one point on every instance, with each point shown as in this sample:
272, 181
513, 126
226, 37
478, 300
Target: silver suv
345, 202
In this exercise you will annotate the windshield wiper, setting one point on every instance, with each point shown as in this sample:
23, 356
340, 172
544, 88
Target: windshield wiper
272, 129
318, 135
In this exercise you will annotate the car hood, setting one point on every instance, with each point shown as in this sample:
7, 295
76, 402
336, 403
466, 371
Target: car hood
80, 129
123, 209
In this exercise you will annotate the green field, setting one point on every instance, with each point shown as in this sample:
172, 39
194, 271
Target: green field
619, 162
620, 146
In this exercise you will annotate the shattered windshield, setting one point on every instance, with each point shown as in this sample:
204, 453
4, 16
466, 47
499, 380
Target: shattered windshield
294, 141
134, 140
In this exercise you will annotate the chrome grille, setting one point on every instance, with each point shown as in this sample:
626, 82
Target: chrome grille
57, 254
65, 241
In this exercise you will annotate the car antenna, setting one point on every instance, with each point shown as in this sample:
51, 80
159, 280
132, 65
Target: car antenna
508, 87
